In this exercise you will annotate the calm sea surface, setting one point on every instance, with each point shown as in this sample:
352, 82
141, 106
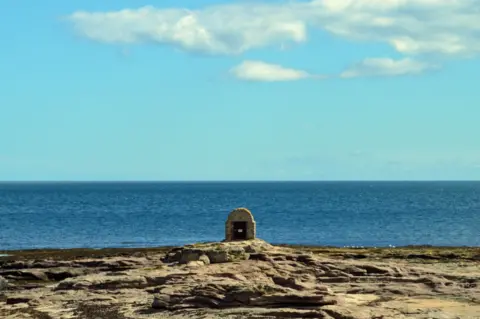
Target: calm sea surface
67, 215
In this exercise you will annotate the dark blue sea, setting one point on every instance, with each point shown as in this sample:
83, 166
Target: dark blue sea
96, 215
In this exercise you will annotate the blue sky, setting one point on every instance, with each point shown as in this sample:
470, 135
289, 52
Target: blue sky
240, 90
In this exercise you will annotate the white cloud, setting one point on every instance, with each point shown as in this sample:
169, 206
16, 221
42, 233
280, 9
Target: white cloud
226, 29
445, 27
266, 72
261, 71
386, 67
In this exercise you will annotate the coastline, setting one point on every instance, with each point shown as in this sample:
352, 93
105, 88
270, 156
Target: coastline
245, 279
425, 252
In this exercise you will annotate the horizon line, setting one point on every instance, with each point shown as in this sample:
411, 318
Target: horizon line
238, 181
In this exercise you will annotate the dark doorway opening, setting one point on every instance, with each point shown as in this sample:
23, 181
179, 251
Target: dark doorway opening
239, 230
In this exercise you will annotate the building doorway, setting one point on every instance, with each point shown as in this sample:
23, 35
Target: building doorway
239, 230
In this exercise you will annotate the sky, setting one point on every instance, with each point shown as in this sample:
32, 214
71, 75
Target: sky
239, 90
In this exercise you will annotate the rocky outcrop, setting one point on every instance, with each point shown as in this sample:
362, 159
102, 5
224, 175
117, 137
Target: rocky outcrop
250, 279
216, 253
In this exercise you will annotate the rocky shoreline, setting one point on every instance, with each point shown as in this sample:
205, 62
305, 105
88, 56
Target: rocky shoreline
245, 279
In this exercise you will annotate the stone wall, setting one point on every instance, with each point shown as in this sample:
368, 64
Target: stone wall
240, 215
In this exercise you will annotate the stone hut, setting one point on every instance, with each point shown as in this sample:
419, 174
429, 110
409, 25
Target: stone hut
240, 225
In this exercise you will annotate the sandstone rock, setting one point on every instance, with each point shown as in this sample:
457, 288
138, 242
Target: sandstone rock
217, 256
3, 284
161, 301
262, 257
214, 255
288, 282
237, 254
122, 265
29, 286
198, 302
7, 265
251, 249
25, 274
306, 259
216, 252
47, 264
240, 296
68, 284
195, 264
356, 271
354, 256
96, 263
337, 273
297, 313
60, 274
17, 300
172, 256
100, 282
292, 300
110, 264
422, 256
213, 296
204, 259
335, 280
116, 274
189, 255
324, 290
215, 291
339, 313
372, 269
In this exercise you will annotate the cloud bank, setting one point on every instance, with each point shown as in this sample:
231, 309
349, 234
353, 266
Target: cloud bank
447, 27
443, 28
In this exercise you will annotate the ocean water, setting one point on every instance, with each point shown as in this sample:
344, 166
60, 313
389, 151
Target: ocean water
96, 215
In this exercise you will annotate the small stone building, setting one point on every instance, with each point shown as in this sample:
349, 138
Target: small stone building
240, 225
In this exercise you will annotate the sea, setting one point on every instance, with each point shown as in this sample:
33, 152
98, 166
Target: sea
147, 214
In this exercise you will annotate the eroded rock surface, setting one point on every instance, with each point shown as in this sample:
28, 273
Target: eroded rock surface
250, 279
3, 284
